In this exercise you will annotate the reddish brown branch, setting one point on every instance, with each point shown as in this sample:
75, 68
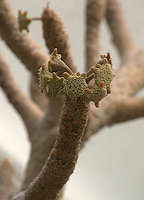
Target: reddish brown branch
63, 157
129, 109
44, 140
95, 11
27, 50
121, 35
127, 82
6, 173
56, 37
22, 45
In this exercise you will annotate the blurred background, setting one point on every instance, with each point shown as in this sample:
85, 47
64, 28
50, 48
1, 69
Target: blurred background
111, 166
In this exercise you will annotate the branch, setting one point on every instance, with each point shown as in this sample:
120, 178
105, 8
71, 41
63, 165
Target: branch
121, 35
44, 140
129, 109
48, 129
55, 36
29, 112
27, 50
63, 157
95, 10
127, 82
6, 173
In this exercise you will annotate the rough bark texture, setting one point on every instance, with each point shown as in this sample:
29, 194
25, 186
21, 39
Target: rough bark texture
128, 81
27, 50
56, 37
95, 10
45, 137
63, 157
6, 173
120, 33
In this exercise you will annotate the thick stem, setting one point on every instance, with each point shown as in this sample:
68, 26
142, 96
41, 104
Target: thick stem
22, 45
64, 155
44, 140
127, 82
6, 173
55, 36
121, 35
95, 11
128, 109
27, 50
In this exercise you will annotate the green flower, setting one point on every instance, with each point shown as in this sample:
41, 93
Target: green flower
23, 21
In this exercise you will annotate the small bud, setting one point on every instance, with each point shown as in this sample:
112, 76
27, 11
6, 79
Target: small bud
98, 65
62, 78
65, 75
101, 84
78, 73
83, 75
54, 75
108, 55
93, 68
105, 60
54, 53
88, 91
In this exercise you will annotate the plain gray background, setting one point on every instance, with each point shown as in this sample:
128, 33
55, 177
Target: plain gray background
111, 166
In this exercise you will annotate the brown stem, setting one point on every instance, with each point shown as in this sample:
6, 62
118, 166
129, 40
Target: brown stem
55, 36
129, 109
6, 173
95, 10
121, 35
27, 50
127, 82
36, 18
22, 45
64, 154
44, 140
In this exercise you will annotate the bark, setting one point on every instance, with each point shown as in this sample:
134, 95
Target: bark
95, 10
63, 157
6, 173
27, 50
121, 36
55, 36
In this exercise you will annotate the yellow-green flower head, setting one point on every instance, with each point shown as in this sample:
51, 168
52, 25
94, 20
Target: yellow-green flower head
74, 86
97, 94
103, 73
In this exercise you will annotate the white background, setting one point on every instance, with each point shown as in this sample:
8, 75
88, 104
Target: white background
111, 167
